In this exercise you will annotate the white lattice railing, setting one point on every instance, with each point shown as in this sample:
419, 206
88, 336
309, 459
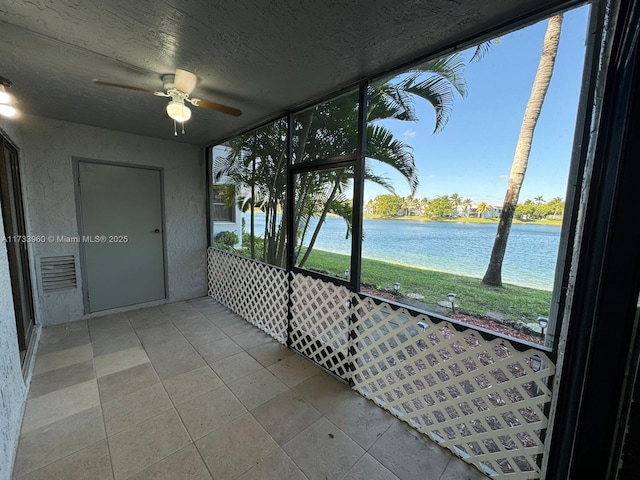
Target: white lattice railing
320, 315
482, 399
256, 291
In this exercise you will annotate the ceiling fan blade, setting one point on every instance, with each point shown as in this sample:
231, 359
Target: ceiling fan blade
218, 107
118, 85
185, 81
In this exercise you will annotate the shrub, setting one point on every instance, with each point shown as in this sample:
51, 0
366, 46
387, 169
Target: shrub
226, 238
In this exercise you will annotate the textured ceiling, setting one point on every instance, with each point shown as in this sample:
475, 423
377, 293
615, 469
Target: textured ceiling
263, 57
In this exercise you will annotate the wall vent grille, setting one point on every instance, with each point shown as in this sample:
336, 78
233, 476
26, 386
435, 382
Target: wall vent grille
58, 273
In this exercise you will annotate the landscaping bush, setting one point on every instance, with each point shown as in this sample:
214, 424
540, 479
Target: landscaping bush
226, 238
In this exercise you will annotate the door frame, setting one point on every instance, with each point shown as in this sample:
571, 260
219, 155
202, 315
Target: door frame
25, 342
78, 200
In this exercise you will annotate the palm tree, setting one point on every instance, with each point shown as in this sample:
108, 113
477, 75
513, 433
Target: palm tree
483, 207
558, 206
371, 207
539, 199
423, 205
406, 201
455, 200
466, 204
329, 129
493, 275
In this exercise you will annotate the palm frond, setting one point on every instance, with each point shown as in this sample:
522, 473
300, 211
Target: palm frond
438, 92
384, 182
388, 100
342, 207
483, 49
451, 68
384, 147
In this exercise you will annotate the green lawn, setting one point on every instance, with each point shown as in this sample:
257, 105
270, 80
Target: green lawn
518, 303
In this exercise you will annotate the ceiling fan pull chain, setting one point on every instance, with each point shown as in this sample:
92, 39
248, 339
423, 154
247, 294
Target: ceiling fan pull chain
183, 128
175, 130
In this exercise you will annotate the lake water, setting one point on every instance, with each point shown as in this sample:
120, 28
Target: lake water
460, 248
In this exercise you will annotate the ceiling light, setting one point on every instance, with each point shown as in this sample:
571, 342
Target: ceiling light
4, 96
7, 110
178, 111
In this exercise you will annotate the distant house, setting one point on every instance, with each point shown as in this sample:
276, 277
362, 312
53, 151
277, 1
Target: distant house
493, 212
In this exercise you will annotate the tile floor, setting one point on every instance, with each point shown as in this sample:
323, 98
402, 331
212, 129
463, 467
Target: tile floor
190, 391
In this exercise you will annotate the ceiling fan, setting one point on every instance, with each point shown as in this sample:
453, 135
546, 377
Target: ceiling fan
178, 88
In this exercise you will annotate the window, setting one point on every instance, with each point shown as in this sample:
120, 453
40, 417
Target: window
255, 166
440, 145
221, 208
323, 221
454, 123
324, 146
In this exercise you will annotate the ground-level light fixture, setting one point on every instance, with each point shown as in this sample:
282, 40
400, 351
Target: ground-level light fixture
536, 363
346, 274
452, 298
543, 322
396, 286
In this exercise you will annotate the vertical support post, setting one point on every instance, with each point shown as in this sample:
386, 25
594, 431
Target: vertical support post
358, 189
290, 205
589, 423
357, 209
207, 153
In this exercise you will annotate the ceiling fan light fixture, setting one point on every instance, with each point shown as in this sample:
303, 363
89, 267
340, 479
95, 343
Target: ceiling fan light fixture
178, 111
4, 96
7, 110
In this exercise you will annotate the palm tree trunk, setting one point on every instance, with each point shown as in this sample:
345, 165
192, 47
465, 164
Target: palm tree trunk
493, 275
275, 199
323, 215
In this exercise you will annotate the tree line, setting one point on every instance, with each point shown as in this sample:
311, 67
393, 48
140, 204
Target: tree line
443, 206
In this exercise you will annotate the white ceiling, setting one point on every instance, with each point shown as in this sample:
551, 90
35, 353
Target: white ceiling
263, 57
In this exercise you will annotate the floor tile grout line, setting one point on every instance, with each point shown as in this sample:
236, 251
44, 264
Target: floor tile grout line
445, 468
175, 406
250, 412
191, 439
86, 446
48, 465
307, 428
104, 422
173, 319
163, 387
100, 404
366, 450
193, 442
243, 350
139, 423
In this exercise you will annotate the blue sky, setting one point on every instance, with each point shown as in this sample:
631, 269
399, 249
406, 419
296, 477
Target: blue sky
472, 156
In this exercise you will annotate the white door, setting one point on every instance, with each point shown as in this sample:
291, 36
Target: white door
121, 234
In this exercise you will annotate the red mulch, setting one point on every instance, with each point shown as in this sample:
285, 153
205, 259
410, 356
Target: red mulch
478, 322
497, 327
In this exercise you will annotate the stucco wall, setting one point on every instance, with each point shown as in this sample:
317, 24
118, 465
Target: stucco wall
12, 386
48, 148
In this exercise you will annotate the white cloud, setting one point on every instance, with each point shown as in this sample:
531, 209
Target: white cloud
502, 177
409, 134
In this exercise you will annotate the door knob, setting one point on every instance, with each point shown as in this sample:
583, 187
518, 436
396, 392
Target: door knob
157, 230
